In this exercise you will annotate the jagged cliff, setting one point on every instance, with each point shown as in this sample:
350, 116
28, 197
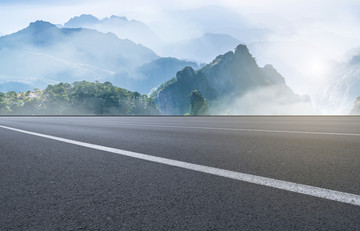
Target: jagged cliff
342, 86
225, 81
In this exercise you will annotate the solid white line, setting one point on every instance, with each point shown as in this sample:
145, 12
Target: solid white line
279, 184
243, 129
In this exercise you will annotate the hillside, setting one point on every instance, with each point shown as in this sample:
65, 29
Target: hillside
151, 75
232, 83
78, 98
43, 54
47, 54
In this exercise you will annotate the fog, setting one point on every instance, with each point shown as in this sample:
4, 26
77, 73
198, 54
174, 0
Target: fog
327, 28
271, 100
303, 40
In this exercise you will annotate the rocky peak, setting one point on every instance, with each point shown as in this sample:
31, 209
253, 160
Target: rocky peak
41, 26
242, 50
80, 21
186, 73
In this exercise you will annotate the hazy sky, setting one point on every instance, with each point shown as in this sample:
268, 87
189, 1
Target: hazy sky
334, 14
328, 28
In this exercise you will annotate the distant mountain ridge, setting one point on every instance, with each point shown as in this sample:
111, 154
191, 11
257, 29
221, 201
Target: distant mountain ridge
43, 54
232, 84
126, 29
81, 21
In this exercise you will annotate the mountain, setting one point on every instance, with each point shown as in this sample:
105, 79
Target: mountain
126, 29
213, 19
232, 83
151, 75
82, 21
43, 54
203, 48
337, 95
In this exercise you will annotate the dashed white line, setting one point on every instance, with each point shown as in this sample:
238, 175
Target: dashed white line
259, 180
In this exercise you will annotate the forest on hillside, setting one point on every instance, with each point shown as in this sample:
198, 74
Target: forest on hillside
87, 98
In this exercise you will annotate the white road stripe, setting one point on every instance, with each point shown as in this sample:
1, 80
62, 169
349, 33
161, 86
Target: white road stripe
243, 129
279, 184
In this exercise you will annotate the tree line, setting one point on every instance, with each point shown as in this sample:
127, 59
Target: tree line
93, 98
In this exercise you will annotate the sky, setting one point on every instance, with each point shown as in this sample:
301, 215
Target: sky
311, 33
331, 14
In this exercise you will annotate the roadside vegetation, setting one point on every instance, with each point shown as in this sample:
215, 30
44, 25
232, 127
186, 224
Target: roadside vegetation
89, 98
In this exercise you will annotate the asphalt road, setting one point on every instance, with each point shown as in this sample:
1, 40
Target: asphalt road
47, 184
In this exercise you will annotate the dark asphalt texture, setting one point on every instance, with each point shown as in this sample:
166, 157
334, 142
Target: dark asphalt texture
50, 185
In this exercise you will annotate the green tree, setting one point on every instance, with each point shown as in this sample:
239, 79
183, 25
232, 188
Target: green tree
198, 104
78, 98
56, 98
4, 106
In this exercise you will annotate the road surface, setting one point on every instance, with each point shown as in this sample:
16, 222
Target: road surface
180, 173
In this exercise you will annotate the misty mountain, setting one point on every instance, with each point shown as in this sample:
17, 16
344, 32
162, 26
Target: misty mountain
82, 21
44, 53
203, 48
337, 95
126, 29
152, 74
232, 83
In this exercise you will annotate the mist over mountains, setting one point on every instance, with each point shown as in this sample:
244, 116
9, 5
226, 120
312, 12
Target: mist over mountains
130, 55
232, 84
133, 30
200, 49
215, 19
203, 48
48, 54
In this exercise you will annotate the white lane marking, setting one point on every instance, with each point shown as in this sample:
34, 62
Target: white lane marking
269, 182
243, 129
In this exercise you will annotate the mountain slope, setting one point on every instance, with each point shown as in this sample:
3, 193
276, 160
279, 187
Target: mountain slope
151, 75
44, 53
232, 84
